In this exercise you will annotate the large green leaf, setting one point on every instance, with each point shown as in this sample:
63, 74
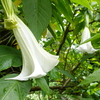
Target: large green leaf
92, 77
13, 90
9, 57
84, 3
63, 10
43, 85
66, 73
37, 14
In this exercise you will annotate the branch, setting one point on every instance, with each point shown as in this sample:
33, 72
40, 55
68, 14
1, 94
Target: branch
5, 39
53, 87
63, 40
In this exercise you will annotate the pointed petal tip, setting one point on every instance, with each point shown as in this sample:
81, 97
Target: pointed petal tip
19, 79
32, 76
85, 49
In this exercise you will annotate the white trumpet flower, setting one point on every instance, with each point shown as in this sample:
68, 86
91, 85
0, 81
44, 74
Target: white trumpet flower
86, 47
36, 61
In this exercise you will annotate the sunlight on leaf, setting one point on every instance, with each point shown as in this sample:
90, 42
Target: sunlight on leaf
84, 3
91, 78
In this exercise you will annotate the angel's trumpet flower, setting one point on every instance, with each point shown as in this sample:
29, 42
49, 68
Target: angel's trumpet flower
36, 61
86, 47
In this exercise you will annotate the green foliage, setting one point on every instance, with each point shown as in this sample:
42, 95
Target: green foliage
13, 90
92, 38
84, 3
85, 57
91, 78
37, 14
98, 1
64, 8
54, 74
43, 84
58, 26
66, 73
9, 57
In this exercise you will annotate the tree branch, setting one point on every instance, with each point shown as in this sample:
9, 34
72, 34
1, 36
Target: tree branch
63, 40
53, 87
37, 88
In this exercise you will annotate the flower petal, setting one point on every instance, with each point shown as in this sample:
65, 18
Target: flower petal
86, 47
36, 61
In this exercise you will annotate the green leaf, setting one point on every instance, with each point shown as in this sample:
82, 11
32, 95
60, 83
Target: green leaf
63, 10
68, 6
58, 17
55, 74
66, 73
13, 90
78, 28
51, 31
92, 38
43, 85
85, 57
84, 3
9, 57
92, 77
37, 14
49, 42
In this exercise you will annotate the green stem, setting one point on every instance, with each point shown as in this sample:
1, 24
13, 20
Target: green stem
7, 5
